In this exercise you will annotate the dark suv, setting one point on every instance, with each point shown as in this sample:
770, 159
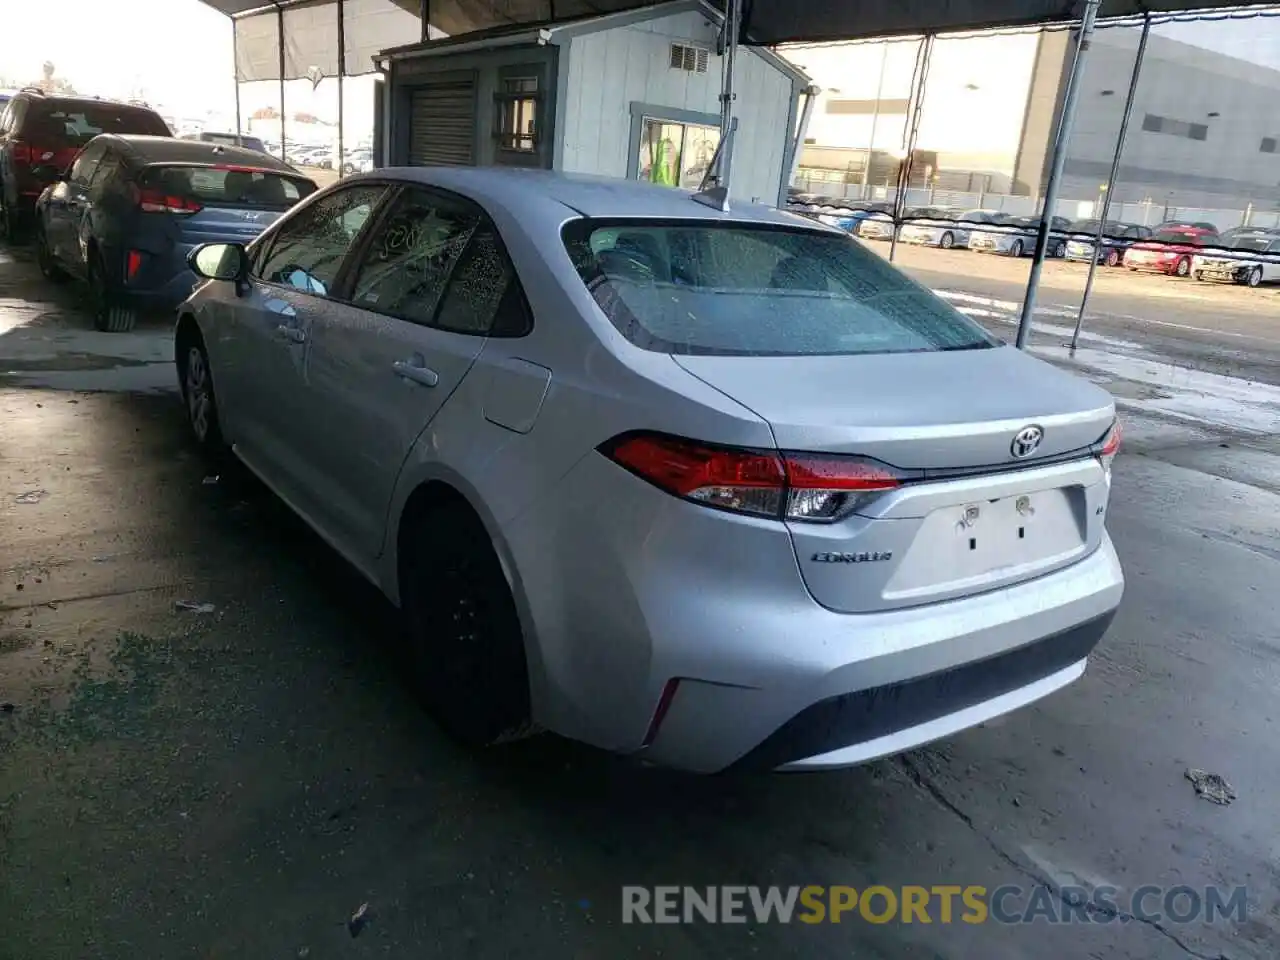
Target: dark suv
41, 134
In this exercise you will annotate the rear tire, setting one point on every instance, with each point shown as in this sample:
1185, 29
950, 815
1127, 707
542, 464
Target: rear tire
466, 646
1060, 250
1183, 268
1016, 249
10, 229
1113, 257
109, 315
1198, 275
947, 241
1254, 278
49, 268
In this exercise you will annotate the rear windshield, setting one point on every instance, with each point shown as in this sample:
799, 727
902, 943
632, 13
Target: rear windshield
252, 143
79, 125
688, 287
221, 186
1179, 236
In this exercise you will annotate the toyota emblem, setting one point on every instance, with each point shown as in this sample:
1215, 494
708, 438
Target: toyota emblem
1026, 441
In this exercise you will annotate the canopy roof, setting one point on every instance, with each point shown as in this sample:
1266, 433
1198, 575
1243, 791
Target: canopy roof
782, 21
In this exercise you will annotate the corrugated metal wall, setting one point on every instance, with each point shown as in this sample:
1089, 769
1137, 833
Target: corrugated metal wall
613, 68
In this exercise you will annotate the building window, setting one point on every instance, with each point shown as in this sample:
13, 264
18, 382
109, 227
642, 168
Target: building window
1175, 128
675, 154
1268, 145
516, 115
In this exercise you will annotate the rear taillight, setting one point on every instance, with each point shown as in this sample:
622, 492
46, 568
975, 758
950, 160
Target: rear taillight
785, 486
1109, 445
132, 264
23, 153
157, 201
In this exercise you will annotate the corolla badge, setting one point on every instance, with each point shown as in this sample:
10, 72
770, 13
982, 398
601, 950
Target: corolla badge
1026, 441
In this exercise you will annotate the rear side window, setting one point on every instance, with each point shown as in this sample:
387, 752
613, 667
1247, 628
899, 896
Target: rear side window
688, 287
80, 124
229, 186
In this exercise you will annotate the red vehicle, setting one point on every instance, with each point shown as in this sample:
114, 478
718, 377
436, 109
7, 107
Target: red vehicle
40, 134
1170, 249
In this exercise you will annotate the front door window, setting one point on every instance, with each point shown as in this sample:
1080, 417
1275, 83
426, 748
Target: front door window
676, 154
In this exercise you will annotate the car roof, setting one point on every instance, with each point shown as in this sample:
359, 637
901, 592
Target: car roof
591, 196
61, 100
176, 150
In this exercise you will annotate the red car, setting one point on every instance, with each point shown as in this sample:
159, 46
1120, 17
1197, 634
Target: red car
1170, 249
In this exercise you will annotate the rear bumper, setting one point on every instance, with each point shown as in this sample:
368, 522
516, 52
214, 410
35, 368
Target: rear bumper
163, 282
624, 589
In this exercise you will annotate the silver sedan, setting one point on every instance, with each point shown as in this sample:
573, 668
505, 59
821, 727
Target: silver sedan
711, 489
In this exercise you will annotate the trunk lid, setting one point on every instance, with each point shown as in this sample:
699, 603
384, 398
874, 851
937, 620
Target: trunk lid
973, 516
220, 203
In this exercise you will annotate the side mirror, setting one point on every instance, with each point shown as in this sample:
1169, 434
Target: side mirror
219, 261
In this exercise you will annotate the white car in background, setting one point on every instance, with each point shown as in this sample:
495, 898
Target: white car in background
1017, 237
1259, 264
951, 231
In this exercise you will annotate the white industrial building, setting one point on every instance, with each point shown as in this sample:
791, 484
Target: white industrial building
1204, 133
634, 94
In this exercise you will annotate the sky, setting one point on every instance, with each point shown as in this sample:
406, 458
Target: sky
178, 53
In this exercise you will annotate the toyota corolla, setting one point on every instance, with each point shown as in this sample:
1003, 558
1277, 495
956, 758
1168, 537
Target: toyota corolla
712, 489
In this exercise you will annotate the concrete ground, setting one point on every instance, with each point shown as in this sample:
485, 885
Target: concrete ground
238, 782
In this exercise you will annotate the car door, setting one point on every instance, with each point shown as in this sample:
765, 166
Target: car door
1271, 263
68, 205
421, 300
260, 342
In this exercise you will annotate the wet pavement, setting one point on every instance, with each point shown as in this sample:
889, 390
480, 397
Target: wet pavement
239, 782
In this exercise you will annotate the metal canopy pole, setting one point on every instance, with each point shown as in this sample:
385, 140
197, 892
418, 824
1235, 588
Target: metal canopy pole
714, 189
1115, 172
280, 64
875, 121
918, 80
235, 74
342, 66
1055, 171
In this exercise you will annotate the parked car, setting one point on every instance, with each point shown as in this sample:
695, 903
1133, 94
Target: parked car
1259, 264
556, 420
1117, 238
1169, 250
41, 134
357, 161
130, 209
234, 140
1186, 224
850, 218
948, 232
1016, 237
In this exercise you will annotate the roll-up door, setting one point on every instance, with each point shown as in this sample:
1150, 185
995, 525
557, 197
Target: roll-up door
442, 123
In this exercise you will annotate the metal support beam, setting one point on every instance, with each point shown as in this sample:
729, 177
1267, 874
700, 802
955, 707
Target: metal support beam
280, 51
875, 122
424, 13
714, 190
918, 81
1055, 171
1111, 177
342, 68
802, 130
235, 74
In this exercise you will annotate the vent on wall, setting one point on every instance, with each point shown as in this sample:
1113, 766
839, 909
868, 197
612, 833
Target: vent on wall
685, 57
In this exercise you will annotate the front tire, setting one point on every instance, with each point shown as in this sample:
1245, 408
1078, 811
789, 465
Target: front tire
466, 646
196, 380
1060, 250
109, 315
1016, 249
1183, 268
947, 241
1113, 258
1254, 278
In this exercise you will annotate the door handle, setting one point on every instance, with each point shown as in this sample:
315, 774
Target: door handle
416, 372
292, 334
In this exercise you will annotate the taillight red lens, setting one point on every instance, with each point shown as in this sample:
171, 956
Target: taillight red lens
1109, 445
133, 263
156, 201
786, 486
